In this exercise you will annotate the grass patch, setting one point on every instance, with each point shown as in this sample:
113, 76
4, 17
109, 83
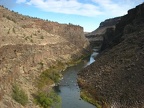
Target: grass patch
87, 97
78, 60
50, 76
47, 100
19, 95
47, 78
53, 74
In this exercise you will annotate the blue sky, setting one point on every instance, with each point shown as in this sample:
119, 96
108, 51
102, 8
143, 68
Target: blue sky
86, 13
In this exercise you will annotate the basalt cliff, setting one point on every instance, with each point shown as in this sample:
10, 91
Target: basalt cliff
96, 37
28, 46
116, 78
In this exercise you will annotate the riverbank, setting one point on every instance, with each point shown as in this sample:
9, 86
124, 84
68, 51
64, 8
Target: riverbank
51, 77
68, 88
116, 78
84, 94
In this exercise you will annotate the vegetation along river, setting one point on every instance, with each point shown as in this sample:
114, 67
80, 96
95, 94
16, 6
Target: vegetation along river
68, 88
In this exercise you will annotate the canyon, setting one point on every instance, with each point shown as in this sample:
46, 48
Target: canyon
34, 52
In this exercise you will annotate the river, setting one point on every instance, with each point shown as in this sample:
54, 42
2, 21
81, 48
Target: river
68, 88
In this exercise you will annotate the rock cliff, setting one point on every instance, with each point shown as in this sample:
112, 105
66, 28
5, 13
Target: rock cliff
29, 46
96, 37
116, 79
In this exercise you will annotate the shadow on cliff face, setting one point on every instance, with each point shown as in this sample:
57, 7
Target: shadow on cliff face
104, 32
116, 79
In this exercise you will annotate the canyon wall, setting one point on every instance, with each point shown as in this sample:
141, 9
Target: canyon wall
116, 78
97, 36
29, 46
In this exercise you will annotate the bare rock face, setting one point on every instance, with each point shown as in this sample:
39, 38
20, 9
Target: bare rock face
97, 36
29, 46
116, 79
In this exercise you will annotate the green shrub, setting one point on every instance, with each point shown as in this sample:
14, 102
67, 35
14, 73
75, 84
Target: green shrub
42, 37
31, 40
43, 100
19, 95
14, 30
48, 77
8, 17
8, 31
46, 100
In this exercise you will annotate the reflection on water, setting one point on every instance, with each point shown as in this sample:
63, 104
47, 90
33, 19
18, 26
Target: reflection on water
68, 88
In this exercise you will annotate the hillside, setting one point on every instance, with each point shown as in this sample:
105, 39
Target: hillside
28, 46
116, 79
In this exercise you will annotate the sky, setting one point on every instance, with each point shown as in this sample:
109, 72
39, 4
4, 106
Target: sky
86, 13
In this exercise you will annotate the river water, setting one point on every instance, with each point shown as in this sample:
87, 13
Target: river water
68, 88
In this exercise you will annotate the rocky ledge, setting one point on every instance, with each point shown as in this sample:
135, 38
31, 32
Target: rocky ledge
116, 79
29, 46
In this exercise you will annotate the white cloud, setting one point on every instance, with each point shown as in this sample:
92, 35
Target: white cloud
65, 6
90, 8
116, 7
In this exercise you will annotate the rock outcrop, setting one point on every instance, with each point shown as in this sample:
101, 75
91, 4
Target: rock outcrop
29, 46
96, 37
116, 79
